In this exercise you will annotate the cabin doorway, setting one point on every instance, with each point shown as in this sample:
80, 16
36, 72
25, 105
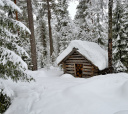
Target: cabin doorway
78, 69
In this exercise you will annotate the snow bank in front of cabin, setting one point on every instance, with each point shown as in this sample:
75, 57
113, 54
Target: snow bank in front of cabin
52, 93
122, 112
67, 76
90, 50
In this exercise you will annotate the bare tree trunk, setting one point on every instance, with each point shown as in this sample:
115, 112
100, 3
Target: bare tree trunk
110, 5
32, 37
50, 29
16, 11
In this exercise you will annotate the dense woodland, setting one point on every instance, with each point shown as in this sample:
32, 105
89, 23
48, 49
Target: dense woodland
34, 32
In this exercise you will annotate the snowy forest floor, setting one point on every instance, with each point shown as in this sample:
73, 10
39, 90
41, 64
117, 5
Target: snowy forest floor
55, 93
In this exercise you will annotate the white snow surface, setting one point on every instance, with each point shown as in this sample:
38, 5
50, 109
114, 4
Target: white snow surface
122, 112
51, 93
90, 50
1, 3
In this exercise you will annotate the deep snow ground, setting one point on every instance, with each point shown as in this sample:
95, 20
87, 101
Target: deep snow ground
54, 93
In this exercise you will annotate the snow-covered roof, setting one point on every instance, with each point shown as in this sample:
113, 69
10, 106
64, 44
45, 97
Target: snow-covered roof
92, 51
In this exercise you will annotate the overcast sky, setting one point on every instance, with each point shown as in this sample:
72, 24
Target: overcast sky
72, 8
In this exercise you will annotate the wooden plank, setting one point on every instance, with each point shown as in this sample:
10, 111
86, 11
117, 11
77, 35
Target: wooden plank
67, 66
70, 68
86, 70
75, 53
70, 72
76, 61
88, 67
87, 73
69, 63
75, 56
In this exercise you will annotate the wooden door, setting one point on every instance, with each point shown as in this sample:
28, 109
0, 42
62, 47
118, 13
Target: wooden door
79, 69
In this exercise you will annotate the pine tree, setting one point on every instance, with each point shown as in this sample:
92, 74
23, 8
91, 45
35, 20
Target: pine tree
32, 36
25, 41
125, 35
91, 21
41, 35
12, 54
99, 25
63, 27
119, 38
83, 20
110, 6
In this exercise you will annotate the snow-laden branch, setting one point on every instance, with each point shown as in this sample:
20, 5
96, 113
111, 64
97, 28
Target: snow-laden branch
10, 4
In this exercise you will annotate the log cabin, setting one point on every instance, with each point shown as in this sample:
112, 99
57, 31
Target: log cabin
83, 59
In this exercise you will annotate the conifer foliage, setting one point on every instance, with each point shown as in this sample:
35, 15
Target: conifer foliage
90, 23
12, 54
119, 37
63, 26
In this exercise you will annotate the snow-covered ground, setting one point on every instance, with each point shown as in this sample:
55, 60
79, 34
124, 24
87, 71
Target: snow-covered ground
54, 93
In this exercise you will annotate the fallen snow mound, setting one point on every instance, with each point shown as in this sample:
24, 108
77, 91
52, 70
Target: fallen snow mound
92, 51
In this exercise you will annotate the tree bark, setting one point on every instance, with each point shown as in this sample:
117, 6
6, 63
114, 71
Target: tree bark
50, 29
16, 11
32, 37
110, 5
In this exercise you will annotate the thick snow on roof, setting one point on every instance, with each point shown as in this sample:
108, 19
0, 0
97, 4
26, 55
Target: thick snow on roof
90, 50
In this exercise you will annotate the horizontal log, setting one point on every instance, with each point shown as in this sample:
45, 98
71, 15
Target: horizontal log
69, 64
86, 70
71, 68
87, 67
76, 61
75, 56
75, 53
70, 72
87, 73
80, 58
87, 64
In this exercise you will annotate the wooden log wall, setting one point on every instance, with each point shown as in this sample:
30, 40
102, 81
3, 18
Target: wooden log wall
88, 68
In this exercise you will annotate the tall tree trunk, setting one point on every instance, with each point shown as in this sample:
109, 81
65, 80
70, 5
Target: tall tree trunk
32, 37
16, 11
110, 5
50, 29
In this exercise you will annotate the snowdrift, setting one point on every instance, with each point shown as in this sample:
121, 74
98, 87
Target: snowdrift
54, 93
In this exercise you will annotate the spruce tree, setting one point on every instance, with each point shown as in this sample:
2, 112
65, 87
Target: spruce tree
41, 34
125, 35
12, 54
80, 20
119, 38
90, 22
63, 26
